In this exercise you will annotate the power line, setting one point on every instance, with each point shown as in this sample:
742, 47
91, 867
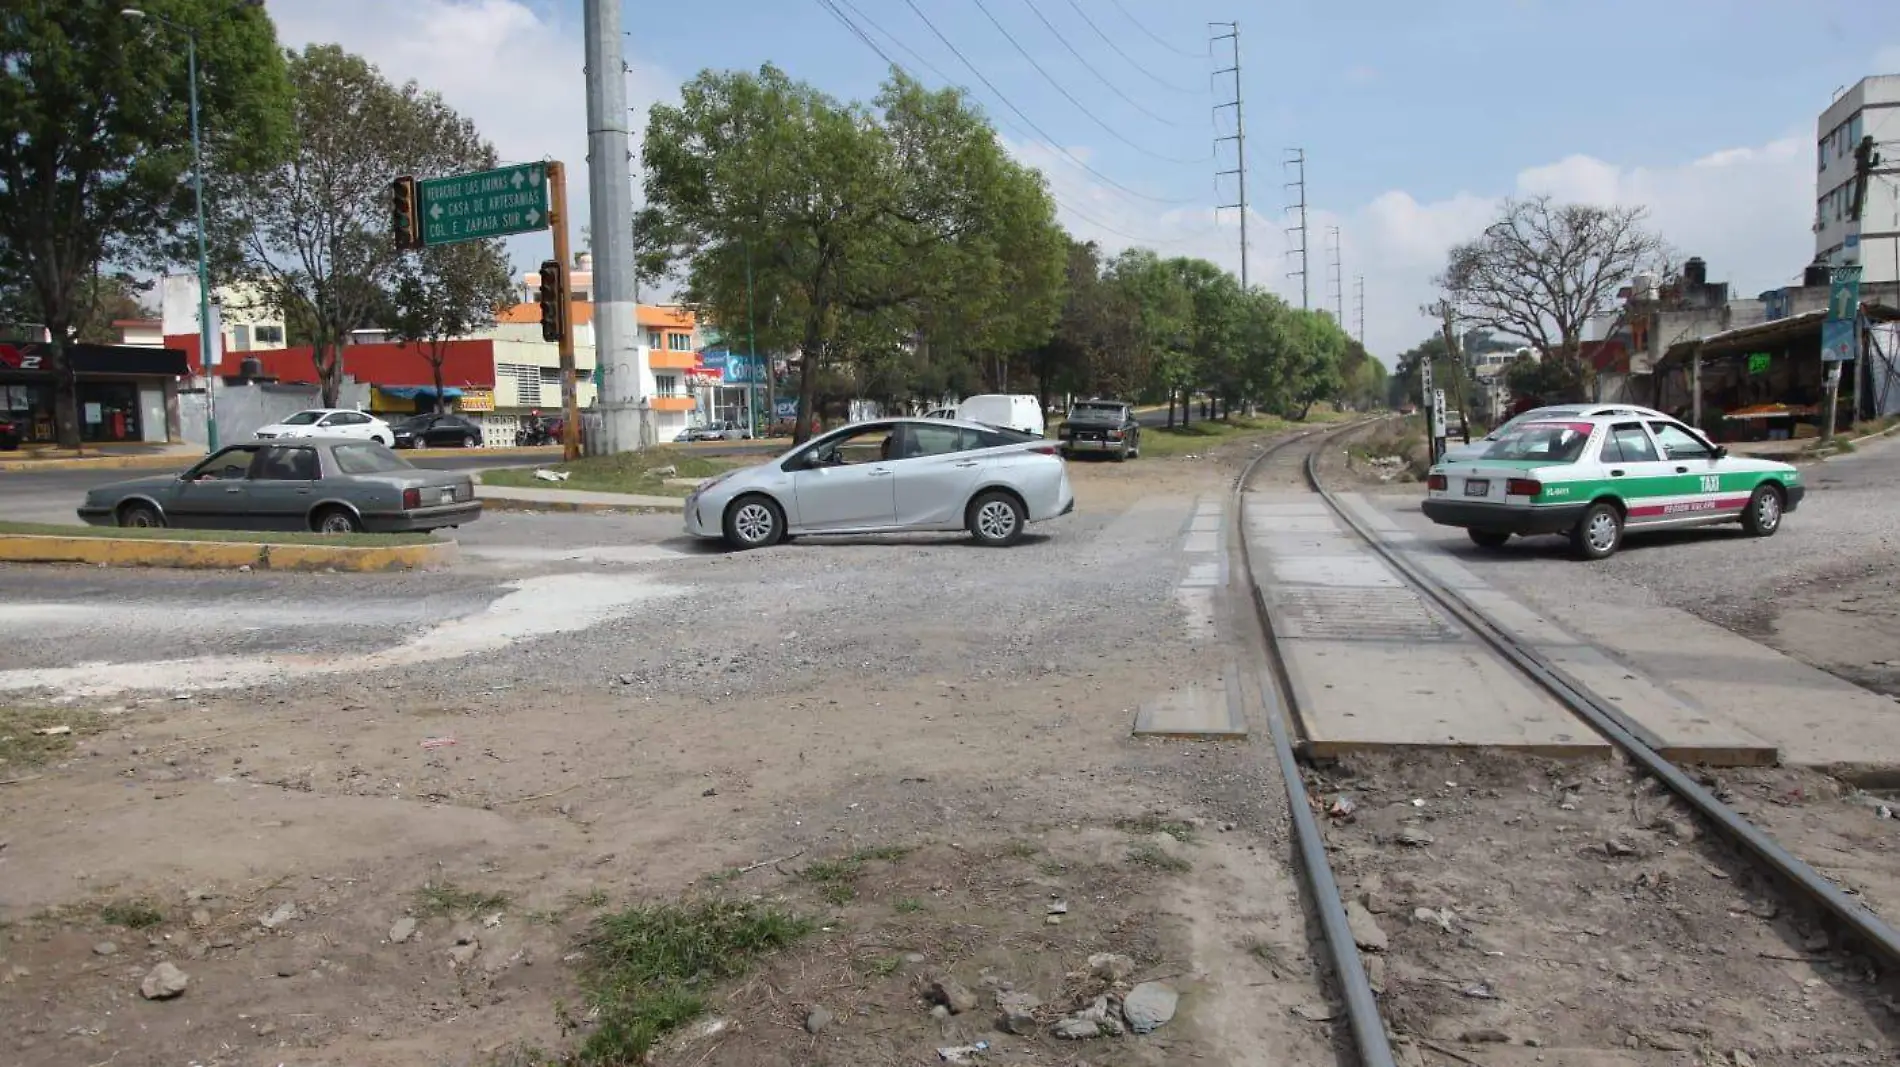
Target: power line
833, 6
1007, 102
1152, 35
1110, 41
1080, 58
1070, 97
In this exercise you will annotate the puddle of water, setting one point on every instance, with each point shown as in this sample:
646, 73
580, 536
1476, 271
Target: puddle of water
535, 607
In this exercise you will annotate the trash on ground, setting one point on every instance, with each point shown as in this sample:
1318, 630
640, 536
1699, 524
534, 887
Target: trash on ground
962, 1053
437, 742
546, 475
54, 731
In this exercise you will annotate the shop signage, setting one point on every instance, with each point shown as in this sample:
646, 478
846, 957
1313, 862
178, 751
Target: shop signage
1839, 340
1758, 362
478, 400
33, 356
13, 357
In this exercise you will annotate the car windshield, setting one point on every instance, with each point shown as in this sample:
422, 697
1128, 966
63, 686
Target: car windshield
416, 422
1096, 409
1545, 442
303, 418
368, 457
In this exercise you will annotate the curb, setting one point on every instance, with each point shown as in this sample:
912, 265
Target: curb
222, 555
490, 503
531, 452
174, 461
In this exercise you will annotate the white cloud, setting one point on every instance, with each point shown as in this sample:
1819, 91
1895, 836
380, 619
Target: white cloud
516, 72
1744, 210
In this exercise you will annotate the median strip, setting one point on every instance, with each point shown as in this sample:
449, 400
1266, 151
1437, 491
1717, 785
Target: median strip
212, 550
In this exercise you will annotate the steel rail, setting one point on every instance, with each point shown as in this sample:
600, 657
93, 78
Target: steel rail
1616, 727
1349, 970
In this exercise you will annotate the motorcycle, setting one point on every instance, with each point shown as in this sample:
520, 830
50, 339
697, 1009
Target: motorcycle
534, 430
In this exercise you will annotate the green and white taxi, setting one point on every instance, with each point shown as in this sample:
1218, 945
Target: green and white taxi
1595, 477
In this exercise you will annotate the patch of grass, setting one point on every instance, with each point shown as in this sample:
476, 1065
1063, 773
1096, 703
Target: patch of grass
171, 533
623, 472
1150, 824
838, 894
883, 966
908, 905
847, 868
131, 914
1020, 850
1052, 869
593, 898
450, 899
23, 745
719, 878
1200, 435
1149, 854
647, 970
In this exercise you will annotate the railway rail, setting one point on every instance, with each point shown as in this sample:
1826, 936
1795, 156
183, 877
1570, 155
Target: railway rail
1798, 880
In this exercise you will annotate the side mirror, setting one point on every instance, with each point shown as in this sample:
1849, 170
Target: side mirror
1721, 451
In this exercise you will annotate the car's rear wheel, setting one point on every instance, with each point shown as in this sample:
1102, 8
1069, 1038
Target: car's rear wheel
1763, 516
336, 521
140, 516
1121, 454
471, 441
1489, 538
1599, 533
996, 519
754, 522
381, 440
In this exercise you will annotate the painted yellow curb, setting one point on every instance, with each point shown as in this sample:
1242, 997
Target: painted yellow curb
165, 461
528, 452
222, 555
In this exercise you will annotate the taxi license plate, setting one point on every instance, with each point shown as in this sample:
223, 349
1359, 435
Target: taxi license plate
1477, 486
448, 495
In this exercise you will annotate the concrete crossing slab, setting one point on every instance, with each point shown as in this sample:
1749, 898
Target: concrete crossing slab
1199, 709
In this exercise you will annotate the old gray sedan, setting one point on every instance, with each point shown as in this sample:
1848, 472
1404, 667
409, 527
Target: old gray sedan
330, 485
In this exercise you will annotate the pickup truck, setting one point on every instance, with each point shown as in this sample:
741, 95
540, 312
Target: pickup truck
1103, 427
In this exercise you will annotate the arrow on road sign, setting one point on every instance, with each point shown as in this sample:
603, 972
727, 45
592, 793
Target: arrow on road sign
534, 217
518, 179
435, 211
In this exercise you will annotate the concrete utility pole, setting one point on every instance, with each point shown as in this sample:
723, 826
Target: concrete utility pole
1239, 137
610, 211
1296, 158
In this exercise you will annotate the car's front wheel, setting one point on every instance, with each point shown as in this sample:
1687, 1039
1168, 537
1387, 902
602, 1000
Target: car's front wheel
996, 519
1763, 516
1599, 533
336, 521
754, 522
1488, 538
471, 441
140, 516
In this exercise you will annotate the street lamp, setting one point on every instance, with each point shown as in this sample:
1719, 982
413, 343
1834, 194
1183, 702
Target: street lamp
205, 342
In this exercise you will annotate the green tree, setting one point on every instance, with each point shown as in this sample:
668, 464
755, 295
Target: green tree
1315, 346
1163, 326
95, 144
904, 227
312, 233
447, 292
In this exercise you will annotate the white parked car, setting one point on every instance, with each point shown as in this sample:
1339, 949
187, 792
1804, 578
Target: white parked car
889, 476
330, 422
1014, 411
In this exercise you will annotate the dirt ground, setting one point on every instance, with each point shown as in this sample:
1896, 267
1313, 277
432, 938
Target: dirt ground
354, 871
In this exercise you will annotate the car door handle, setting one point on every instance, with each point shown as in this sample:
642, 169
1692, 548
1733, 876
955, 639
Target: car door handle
1616, 474
879, 473
1682, 470
968, 463
234, 489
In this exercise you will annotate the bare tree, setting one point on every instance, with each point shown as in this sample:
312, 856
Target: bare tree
1542, 271
448, 292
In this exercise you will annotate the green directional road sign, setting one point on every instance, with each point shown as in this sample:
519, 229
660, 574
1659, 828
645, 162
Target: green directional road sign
1843, 294
489, 203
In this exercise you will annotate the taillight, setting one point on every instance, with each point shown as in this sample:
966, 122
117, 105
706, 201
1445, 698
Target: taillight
412, 498
1523, 487
1047, 450
1438, 482
1114, 435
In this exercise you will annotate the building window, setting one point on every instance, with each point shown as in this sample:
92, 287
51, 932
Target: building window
527, 382
551, 376
241, 337
679, 342
265, 334
666, 384
653, 338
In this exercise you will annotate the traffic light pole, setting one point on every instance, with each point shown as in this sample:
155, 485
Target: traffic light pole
570, 393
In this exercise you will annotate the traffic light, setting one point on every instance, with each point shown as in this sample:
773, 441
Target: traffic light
402, 213
553, 301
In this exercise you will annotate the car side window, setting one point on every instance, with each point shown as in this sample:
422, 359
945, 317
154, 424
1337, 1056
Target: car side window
351, 418
287, 465
1627, 443
922, 441
232, 464
1678, 443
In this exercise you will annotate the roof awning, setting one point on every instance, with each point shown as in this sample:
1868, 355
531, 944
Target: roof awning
1751, 338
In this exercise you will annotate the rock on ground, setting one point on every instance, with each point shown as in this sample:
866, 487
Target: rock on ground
403, 930
1366, 932
163, 983
1149, 1005
1111, 966
818, 1020
951, 994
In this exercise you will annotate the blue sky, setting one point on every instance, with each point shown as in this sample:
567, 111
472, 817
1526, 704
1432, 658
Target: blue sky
1416, 118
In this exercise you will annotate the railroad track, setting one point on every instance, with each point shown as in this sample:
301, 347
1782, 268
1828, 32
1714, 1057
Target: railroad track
1296, 461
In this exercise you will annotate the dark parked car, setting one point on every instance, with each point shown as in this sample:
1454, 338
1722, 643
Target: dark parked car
327, 484
438, 431
10, 434
1104, 427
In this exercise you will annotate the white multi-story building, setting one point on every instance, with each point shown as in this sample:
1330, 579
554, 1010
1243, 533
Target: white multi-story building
1870, 109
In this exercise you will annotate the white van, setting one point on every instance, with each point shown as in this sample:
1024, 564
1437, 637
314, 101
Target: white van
1012, 411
